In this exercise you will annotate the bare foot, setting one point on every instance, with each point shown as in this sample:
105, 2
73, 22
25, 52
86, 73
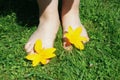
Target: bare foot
70, 17
74, 23
48, 26
46, 33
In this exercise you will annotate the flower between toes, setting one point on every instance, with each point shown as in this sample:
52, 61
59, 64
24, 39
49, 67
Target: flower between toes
41, 55
75, 38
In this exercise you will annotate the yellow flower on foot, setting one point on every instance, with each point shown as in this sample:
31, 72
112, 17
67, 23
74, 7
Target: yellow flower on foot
41, 55
75, 38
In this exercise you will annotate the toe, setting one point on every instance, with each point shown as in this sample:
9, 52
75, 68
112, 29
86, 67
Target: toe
66, 44
29, 47
87, 40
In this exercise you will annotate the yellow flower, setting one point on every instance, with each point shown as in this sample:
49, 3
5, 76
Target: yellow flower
75, 38
41, 55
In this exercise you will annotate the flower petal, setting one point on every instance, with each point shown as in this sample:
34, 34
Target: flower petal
83, 39
79, 45
50, 50
31, 56
49, 53
67, 35
50, 56
77, 31
70, 30
44, 61
38, 46
36, 61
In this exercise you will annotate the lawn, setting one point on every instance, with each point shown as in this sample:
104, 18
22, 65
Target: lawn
99, 61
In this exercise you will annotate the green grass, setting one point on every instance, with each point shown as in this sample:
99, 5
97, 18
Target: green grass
99, 61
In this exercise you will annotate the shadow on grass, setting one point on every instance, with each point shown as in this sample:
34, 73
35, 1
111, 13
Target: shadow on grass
26, 11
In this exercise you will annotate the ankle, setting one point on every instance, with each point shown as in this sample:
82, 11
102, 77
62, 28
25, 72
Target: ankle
48, 17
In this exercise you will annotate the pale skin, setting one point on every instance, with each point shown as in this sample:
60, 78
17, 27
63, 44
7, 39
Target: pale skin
49, 22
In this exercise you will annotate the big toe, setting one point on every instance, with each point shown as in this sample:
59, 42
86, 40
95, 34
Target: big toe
29, 47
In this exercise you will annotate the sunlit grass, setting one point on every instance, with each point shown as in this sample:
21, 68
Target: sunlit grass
99, 61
